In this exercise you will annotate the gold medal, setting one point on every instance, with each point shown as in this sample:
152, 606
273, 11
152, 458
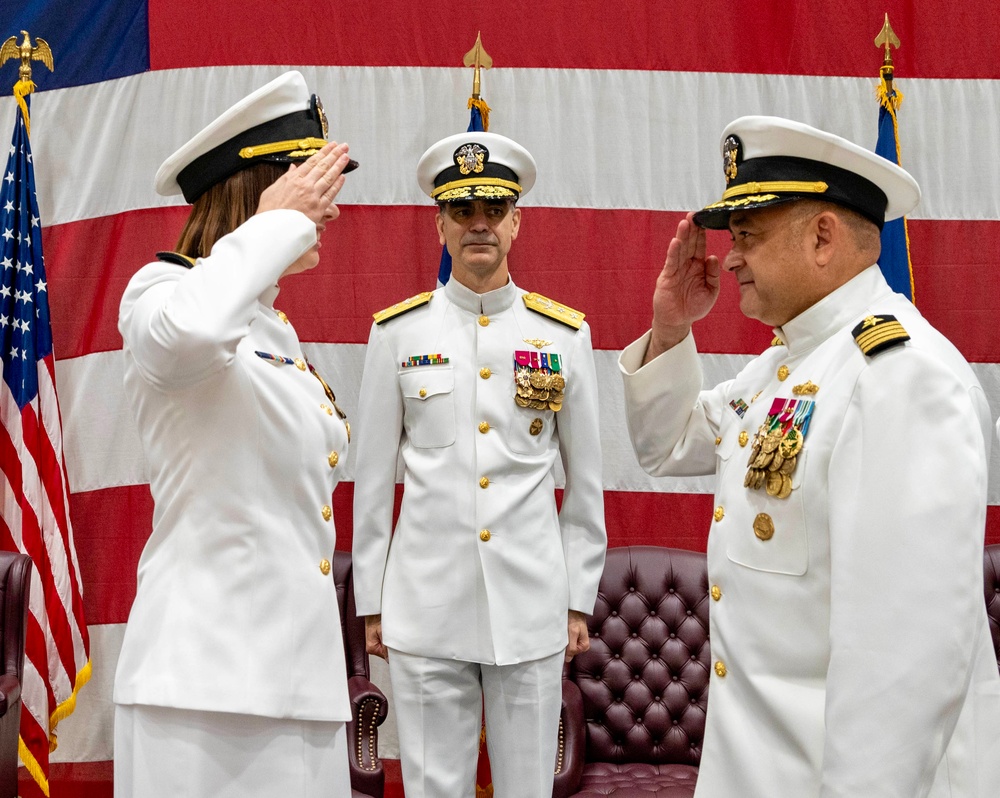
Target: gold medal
773, 483
791, 443
786, 487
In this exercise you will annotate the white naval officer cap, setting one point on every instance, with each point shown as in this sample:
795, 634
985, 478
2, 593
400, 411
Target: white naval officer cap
476, 165
769, 160
280, 122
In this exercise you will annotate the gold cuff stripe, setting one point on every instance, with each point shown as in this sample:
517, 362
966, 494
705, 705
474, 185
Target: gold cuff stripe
257, 150
786, 186
476, 181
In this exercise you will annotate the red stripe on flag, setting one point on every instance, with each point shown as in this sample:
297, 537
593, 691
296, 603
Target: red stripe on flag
711, 36
376, 255
33, 544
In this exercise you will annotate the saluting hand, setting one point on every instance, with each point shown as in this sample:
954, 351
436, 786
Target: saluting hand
686, 289
310, 187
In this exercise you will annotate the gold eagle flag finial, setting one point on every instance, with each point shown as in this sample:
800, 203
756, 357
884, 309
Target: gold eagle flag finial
27, 53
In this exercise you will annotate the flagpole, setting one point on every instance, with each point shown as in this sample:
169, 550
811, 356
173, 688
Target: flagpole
35, 510
894, 259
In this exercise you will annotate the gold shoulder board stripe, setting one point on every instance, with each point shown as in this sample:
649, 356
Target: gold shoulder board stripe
177, 258
402, 307
877, 333
776, 341
554, 310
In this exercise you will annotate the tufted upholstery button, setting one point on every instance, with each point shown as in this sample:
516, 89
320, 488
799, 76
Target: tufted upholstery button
618, 656
635, 634
614, 613
690, 613
673, 635
631, 590
675, 678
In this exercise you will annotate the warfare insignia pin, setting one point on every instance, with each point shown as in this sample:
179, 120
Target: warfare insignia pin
471, 158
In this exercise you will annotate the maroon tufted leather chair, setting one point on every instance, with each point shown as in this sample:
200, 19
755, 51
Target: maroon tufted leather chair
369, 707
15, 585
991, 587
633, 714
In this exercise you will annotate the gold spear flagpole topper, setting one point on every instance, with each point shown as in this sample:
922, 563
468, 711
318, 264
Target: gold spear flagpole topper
26, 53
886, 38
478, 59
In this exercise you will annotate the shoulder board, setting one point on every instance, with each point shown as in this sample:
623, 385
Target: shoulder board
402, 307
877, 333
776, 341
547, 307
175, 257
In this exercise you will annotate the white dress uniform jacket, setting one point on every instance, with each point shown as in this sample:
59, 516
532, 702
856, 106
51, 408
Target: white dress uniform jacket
851, 650
481, 566
235, 608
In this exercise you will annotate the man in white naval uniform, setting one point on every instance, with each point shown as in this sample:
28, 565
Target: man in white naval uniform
851, 650
482, 588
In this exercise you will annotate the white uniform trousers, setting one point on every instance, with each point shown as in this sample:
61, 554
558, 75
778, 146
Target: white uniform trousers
439, 711
162, 752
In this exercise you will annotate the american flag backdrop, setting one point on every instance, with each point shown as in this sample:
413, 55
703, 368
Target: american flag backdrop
34, 512
621, 104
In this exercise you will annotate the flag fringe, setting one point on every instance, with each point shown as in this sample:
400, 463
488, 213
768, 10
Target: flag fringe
65, 709
32, 766
484, 110
21, 90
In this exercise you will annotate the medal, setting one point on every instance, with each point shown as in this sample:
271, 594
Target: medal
538, 381
776, 446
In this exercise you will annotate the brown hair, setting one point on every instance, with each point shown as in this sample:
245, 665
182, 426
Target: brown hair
225, 206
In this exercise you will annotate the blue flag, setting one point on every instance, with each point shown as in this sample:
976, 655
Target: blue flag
444, 270
895, 258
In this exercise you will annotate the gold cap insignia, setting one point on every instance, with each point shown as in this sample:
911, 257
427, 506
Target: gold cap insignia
731, 157
471, 158
317, 106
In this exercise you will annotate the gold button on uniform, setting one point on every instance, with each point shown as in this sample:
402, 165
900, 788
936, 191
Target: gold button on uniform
485, 373
484, 427
326, 512
422, 392
720, 513
300, 364
720, 669
763, 526
744, 438
484, 321
333, 459
716, 592
484, 482
484, 535
718, 440
783, 373
324, 566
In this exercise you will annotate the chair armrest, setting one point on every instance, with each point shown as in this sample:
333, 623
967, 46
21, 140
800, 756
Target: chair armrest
10, 692
369, 709
572, 742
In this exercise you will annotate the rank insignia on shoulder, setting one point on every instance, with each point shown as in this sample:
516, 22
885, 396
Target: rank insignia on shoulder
877, 333
554, 310
176, 258
402, 307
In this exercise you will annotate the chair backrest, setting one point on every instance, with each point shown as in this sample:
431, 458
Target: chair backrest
645, 679
15, 586
351, 626
991, 587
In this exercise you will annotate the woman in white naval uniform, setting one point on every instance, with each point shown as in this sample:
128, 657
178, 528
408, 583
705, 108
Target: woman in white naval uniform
231, 679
